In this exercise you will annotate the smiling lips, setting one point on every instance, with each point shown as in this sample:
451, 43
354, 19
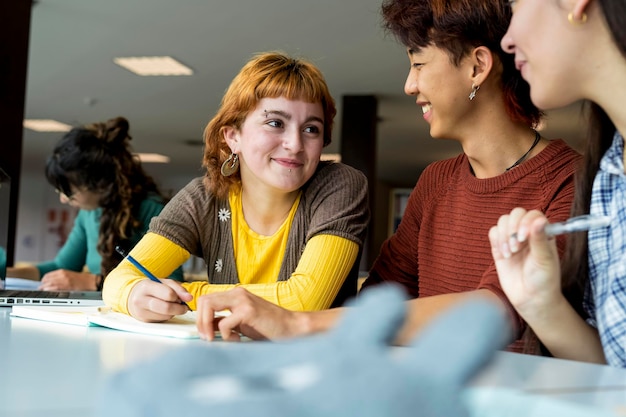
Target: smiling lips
289, 163
426, 108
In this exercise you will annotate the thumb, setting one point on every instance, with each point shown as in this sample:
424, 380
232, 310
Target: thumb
542, 247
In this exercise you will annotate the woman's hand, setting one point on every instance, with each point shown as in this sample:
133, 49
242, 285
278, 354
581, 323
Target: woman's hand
66, 280
527, 261
153, 302
250, 315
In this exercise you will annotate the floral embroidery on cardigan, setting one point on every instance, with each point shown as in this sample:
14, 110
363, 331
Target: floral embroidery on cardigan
218, 265
223, 214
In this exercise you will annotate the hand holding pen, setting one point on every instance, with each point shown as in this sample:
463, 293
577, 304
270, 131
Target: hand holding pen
515, 228
582, 223
527, 258
142, 269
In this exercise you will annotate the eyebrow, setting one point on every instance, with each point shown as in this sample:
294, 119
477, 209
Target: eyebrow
414, 51
288, 116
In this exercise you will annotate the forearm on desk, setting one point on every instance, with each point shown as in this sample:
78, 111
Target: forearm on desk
421, 311
311, 322
26, 271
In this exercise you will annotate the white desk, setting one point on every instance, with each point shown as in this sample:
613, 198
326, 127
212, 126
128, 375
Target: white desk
57, 369
578, 382
52, 369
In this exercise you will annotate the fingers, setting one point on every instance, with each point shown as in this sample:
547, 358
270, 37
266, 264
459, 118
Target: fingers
205, 318
55, 281
151, 301
179, 290
66, 280
496, 251
228, 327
249, 315
514, 229
210, 304
50, 286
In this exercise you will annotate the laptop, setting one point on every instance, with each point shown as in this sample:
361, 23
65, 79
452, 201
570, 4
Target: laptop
10, 297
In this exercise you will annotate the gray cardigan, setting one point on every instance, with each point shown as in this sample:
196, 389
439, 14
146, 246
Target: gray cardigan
334, 201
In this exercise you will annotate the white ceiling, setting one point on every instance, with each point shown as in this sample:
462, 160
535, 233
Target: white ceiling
72, 77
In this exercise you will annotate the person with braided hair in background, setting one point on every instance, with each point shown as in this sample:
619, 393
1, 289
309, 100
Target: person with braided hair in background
93, 169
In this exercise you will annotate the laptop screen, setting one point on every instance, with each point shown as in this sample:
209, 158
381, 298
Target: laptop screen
8, 298
5, 200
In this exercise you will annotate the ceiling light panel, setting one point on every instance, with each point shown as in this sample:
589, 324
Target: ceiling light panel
153, 157
46, 125
153, 66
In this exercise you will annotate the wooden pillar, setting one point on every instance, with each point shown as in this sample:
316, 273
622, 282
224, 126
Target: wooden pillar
14, 35
358, 149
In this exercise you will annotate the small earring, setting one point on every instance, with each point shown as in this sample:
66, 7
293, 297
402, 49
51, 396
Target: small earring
475, 88
230, 166
576, 22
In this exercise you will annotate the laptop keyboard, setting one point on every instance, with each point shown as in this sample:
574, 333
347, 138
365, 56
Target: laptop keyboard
35, 294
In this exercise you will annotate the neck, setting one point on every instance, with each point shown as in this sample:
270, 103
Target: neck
528, 152
496, 150
265, 213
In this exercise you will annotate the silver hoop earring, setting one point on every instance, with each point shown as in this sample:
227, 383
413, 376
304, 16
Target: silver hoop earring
231, 165
472, 94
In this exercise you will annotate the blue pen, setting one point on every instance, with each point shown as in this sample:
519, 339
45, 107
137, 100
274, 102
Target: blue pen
141, 268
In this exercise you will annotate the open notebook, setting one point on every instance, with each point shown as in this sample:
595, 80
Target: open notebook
10, 297
183, 326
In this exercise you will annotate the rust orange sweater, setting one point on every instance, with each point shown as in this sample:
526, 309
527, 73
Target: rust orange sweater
441, 245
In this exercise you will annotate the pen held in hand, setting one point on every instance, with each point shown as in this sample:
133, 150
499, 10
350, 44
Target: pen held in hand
577, 224
141, 268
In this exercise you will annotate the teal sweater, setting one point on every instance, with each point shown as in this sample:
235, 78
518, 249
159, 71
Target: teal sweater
80, 248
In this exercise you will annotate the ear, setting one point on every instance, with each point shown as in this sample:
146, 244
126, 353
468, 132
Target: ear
579, 8
231, 137
481, 59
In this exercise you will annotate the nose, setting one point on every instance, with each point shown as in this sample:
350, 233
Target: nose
410, 85
292, 140
507, 43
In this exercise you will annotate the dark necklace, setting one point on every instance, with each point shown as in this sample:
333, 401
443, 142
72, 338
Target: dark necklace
519, 161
